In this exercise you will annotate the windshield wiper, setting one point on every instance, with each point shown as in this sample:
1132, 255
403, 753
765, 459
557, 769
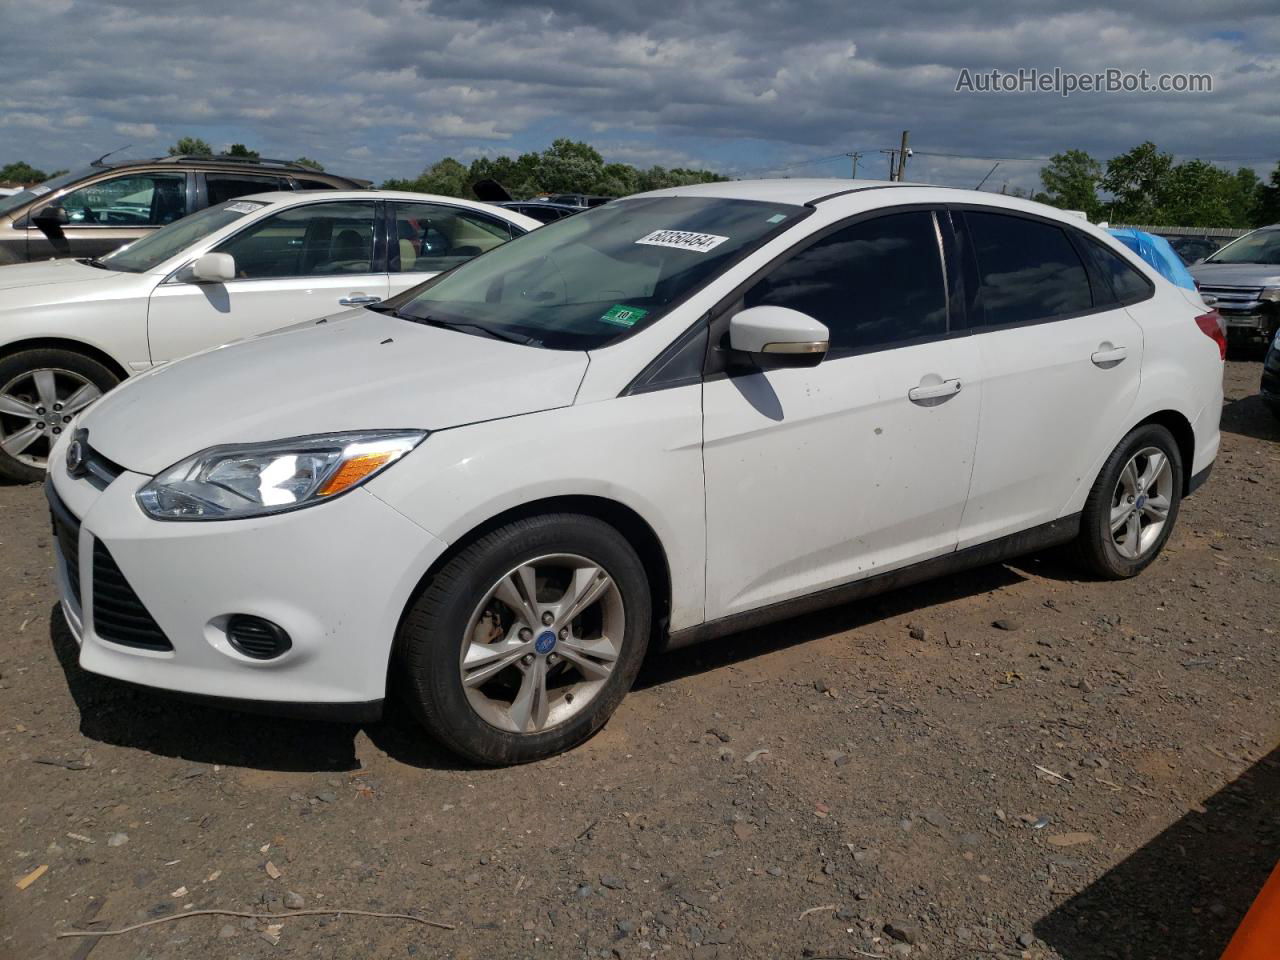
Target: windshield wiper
384, 308
95, 262
484, 330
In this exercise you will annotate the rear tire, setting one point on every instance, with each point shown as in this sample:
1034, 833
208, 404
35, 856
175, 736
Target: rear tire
1132, 508
32, 383
545, 695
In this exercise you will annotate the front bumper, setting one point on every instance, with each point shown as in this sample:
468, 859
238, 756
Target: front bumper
335, 576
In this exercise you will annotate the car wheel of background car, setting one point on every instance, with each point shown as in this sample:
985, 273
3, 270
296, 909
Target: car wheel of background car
525, 642
1133, 505
40, 391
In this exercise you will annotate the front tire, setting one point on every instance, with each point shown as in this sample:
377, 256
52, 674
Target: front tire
525, 642
40, 391
1130, 512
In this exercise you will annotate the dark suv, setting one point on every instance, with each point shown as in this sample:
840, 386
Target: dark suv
92, 211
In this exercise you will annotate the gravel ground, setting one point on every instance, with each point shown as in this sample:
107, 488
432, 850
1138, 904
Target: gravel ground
1011, 762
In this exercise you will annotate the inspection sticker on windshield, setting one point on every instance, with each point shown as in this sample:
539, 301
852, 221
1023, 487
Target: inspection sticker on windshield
620, 315
243, 206
683, 240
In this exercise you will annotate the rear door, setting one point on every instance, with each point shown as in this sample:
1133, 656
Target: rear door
818, 476
429, 238
1061, 362
299, 264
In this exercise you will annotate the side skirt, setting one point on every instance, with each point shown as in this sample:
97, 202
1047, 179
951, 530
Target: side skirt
1062, 530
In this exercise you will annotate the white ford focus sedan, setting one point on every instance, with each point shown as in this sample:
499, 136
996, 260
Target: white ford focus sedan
659, 421
72, 329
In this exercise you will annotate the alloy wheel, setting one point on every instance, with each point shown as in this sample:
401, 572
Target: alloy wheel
36, 406
542, 643
1141, 502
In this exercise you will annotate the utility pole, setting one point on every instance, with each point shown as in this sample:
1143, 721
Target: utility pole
902, 157
893, 161
855, 155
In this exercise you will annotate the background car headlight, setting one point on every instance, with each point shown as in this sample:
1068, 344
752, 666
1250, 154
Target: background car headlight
228, 482
1269, 293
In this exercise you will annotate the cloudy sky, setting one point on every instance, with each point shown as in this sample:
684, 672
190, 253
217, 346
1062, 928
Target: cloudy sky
771, 87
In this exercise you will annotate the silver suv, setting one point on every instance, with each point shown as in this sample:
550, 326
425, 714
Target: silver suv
92, 211
1244, 277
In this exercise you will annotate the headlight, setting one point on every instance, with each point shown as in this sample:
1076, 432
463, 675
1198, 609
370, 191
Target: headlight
229, 483
1270, 293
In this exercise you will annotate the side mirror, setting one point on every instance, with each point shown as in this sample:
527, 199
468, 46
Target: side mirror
780, 334
214, 268
54, 215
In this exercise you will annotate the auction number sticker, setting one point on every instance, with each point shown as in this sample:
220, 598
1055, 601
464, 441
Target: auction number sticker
244, 206
683, 240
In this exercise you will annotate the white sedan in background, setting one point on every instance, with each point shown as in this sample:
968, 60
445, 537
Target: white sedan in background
72, 329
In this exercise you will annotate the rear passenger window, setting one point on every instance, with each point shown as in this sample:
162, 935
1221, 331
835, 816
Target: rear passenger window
1127, 283
1028, 270
875, 283
227, 186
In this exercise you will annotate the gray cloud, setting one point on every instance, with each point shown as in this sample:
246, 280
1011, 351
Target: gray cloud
382, 89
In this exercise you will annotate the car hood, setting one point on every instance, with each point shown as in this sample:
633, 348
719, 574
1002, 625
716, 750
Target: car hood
358, 371
49, 272
1237, 274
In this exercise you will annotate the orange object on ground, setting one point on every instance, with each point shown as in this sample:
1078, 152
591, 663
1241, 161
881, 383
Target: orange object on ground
1258, 936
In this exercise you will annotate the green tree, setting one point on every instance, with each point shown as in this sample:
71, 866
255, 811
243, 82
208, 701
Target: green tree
1071, 182
447, 177
22, 172
308, 162
240, 150
1134, 180
191, 147
1267, 206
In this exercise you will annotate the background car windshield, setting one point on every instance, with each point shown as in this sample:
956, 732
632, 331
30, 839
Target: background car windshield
23, 197
1260, 247
155, 248
602, 275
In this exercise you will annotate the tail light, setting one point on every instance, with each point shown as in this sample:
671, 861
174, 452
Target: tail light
1211, 326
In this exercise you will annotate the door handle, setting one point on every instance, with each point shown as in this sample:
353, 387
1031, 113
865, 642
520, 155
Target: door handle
358, 300
933, 393
1108, 356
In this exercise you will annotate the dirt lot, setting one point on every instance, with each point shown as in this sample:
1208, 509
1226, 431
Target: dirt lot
1098, 780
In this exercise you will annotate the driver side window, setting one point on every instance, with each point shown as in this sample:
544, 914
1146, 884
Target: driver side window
138, 200
316, 240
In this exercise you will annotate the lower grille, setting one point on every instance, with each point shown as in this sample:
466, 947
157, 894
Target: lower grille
66, 530
118, 614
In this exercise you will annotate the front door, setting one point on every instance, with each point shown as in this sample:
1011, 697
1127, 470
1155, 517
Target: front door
818, 476
300, 264
110, 213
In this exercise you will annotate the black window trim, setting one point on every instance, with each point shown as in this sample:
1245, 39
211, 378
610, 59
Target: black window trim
202, 181
1096, 282
389, 230
378, 260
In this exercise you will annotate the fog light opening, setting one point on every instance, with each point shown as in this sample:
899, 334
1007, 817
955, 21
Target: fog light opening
256, 637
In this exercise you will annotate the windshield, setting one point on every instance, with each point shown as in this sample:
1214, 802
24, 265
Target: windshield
155, 248
588, 280
24, 197
1261, 246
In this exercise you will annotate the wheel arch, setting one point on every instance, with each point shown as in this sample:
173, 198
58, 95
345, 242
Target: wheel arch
638, 532
73, 346
1183, 434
